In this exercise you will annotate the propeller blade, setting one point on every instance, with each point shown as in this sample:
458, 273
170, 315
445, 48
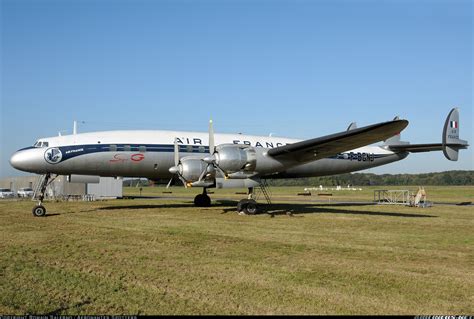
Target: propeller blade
176, 152
183, 181
203, 174
209, 169
169, 183
220, 170
211, 138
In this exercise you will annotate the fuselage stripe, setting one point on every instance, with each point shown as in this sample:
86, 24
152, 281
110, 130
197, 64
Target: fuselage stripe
72, 151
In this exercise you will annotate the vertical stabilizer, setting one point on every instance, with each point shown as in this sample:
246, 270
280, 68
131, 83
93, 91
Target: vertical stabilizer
395, 140
451, 141
352, 126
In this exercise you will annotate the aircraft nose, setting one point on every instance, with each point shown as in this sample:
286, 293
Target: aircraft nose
18, 160
22, 160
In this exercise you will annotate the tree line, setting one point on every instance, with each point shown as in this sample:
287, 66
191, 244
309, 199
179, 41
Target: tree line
369, 179
357, 179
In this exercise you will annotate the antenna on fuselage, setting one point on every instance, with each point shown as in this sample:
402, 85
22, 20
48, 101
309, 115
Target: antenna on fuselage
74, 128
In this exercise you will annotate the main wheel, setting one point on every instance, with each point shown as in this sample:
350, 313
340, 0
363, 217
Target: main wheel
248, 206
252, 207
39, 211
202, 200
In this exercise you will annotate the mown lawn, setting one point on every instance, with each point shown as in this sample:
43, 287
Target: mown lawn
148, 256
436, 194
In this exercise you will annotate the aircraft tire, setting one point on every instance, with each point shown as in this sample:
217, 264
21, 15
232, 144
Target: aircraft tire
39, 211
248, 206
202, 200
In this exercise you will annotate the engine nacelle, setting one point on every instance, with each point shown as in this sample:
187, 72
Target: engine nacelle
191, 168
233, 158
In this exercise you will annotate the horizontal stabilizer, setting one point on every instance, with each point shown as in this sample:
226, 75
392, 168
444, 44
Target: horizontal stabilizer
451, 144
417, 148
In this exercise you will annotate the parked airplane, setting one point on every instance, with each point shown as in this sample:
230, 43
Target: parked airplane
223, 160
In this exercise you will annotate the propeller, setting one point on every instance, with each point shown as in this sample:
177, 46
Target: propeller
211, 166
211, 159
175, 170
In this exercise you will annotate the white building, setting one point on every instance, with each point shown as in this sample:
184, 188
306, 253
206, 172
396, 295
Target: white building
63, 186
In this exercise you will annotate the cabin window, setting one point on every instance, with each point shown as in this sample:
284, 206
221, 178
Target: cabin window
127, 148
142, 149
113, 148
202, 149
189, 148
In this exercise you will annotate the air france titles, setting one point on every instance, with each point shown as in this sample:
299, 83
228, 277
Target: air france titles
198, 141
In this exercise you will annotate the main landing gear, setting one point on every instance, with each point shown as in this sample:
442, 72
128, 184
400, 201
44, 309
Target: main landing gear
248, 206
39, 210
202, 200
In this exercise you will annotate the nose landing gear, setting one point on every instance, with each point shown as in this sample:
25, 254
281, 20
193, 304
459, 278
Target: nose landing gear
39, 210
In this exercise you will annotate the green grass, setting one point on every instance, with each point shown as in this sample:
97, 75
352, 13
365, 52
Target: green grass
148, 256
440, 194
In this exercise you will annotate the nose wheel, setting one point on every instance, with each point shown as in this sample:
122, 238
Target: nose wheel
39, 211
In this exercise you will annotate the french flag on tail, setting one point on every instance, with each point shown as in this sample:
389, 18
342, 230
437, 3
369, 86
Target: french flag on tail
454, 124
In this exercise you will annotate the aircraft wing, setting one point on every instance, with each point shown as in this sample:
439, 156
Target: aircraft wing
329, 145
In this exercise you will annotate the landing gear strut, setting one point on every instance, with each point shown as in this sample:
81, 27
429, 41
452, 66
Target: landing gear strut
248, 206
39, 210
202, 200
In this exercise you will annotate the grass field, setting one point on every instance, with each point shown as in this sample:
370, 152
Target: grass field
147, 256
437, 194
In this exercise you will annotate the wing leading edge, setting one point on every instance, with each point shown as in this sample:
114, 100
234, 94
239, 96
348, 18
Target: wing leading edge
329, 145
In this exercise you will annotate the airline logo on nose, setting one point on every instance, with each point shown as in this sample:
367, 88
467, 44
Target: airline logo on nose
53, 155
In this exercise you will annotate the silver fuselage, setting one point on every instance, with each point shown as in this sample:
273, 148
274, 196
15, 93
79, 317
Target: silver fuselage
150, 154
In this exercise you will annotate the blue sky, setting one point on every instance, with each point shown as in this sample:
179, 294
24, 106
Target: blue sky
292, 68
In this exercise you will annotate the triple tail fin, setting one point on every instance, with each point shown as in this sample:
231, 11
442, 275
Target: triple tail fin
451, 144
396, 139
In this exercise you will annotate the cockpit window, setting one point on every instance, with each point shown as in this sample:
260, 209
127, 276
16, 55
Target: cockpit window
41, 144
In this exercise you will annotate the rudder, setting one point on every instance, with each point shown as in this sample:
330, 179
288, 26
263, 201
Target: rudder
451, 142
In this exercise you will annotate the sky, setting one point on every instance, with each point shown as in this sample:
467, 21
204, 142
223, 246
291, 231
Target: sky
293, 68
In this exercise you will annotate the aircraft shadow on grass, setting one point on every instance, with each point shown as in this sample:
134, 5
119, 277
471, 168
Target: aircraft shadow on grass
52, 214
301, 209
282, 209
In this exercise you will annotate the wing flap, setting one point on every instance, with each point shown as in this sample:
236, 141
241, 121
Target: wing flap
329, 145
